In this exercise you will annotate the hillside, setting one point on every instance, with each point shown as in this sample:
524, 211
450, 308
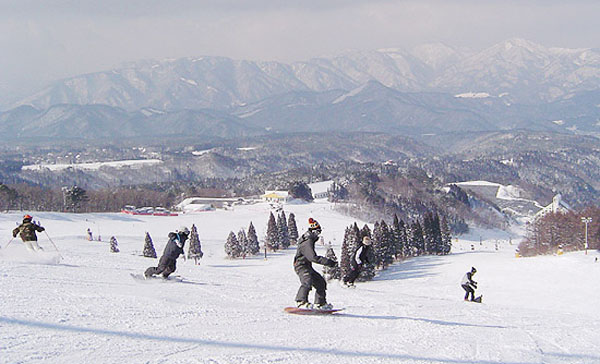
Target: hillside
86, 308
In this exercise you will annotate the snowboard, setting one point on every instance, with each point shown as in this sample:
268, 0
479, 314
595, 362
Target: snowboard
171, 278
311, 311
477, 299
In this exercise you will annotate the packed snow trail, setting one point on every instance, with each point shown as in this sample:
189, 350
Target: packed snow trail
86, 308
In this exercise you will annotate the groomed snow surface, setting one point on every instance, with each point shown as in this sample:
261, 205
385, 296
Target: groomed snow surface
86, 308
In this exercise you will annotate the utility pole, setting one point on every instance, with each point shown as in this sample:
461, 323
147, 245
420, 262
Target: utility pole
586, 221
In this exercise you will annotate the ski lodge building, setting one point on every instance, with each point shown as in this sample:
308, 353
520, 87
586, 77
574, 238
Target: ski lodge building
557, 205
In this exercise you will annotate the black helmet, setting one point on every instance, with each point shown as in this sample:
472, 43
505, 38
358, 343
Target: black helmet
473, 270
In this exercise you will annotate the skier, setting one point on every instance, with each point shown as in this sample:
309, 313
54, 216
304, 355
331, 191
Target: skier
174, 248
469, 285
27, 233
361, 256
305, 256
89, 234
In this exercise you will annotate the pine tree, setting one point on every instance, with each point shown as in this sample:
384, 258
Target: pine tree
349, 246
232, 246
388, 246
365, 231
114, 245
272, 238
149, 251
282, 229
243, 241
293, 229
446, 236
331, 272
195, 249
428, 234
437, 232
403, 247
417, 241
378, 245
253, 244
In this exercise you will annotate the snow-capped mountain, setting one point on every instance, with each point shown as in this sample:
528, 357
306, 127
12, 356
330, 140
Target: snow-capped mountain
522, 69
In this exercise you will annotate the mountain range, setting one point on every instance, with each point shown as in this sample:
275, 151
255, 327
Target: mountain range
431, 88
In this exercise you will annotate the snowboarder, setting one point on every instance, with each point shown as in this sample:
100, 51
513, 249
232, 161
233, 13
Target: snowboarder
174, 248
27, 233
469, 285
305, 256
361, 256
89, 234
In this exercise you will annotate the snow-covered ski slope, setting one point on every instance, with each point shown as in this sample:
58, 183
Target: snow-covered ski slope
87, 308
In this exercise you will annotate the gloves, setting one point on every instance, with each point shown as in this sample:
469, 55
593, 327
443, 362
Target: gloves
331, 263
14, 235
42, 228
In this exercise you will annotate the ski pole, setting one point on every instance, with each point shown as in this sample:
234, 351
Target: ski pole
55, 247
10, 241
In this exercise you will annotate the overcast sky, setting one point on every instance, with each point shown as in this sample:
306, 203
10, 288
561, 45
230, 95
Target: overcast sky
45, 40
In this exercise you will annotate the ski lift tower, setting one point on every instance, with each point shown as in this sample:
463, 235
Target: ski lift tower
586, 221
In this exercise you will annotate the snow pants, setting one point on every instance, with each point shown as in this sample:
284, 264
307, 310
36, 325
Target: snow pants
354, 273
32, 245
469, 291
310, 278
165, 267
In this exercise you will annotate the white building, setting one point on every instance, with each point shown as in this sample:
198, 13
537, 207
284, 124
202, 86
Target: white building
319, 189
557, 205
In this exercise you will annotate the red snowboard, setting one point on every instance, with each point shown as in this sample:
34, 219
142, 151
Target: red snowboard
310, 311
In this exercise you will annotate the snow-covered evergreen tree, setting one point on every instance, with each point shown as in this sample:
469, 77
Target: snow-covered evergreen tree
272, 238
232, 246
282, 229
417, 241
388, 246
428, 234
243, 241
149, 251
293, 229
365, 231
378, 245
446, 235
349, 246
253, 244
396, 237
331, 272
403, 247
114, 245
195, 249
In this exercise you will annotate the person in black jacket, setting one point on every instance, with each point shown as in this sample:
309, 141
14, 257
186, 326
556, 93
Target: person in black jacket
174, 248
27, 233
469, 285
305, 256
361, 256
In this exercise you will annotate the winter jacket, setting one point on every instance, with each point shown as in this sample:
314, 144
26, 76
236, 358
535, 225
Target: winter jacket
361, 256
174, 246
305, 254
468, 280
27, 230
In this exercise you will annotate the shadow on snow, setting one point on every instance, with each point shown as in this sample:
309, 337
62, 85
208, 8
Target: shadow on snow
215, 343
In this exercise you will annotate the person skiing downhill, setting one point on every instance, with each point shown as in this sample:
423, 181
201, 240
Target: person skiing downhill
361, 256
469, 285
168, 260
27, 233
305, 256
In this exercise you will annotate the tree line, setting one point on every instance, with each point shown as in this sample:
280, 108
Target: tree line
391, 243
561, 230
